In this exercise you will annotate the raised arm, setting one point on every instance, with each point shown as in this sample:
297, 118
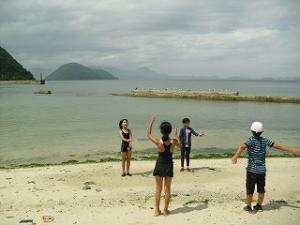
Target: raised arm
149, 132
239, 151
176, 140
286, 149
122, 138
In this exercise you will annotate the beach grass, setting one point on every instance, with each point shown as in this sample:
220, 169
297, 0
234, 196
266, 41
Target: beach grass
138, 156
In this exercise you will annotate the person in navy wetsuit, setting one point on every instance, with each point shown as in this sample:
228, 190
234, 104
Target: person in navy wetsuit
185, 136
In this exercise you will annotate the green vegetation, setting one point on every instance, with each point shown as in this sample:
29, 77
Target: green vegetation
75, 71
140, 156
10, 69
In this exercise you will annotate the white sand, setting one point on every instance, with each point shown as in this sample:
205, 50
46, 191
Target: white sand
57, 191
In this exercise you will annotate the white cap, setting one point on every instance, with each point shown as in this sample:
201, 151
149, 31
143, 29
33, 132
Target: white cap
257, 127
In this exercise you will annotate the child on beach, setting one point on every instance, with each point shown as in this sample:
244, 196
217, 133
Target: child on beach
126, 146
185, 135
164, 165
256, 170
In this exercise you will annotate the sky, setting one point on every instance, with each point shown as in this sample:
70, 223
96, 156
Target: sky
246, 38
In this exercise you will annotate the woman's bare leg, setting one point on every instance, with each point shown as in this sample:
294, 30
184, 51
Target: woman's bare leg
128, 160
168, 181
158, 181
123, 161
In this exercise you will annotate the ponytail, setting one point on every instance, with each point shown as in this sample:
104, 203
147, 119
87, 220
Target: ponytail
165, 138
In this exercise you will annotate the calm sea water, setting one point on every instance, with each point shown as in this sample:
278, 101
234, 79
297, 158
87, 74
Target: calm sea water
80, 118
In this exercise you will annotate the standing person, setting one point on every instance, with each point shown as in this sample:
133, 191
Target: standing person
256, 170
163, 170
126, 146
185, 136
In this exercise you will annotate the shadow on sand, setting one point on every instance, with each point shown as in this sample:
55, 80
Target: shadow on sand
143, 174
204, 168
277, 204
149, 173
186, 208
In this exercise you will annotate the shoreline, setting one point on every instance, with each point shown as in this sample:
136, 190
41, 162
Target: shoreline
138, 158
206, 95
31, 82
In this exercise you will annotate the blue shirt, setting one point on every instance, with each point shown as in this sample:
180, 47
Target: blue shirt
257, 154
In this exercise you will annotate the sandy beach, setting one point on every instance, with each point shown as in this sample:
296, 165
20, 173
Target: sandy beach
212, 194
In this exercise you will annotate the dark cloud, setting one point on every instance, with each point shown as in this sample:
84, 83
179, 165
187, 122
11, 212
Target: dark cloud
259, 37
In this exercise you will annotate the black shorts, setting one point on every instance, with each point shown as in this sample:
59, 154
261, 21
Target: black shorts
163, 170
258, 179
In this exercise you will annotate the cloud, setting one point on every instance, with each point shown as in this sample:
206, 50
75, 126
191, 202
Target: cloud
245, 38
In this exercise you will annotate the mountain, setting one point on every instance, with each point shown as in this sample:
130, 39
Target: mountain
142, 73
75, 71
10, 69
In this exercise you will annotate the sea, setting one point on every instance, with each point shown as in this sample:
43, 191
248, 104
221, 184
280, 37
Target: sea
79, 120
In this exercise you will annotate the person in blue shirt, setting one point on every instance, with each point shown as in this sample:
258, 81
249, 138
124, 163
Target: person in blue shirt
185, 135
256, 169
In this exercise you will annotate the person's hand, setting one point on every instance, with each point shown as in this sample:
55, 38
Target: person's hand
204, 133
152, 118
175, 131
234, 160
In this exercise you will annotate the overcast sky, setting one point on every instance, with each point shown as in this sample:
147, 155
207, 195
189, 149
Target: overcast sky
250, 38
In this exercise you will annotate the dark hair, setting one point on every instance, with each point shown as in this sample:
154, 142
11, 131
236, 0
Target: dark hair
121, 121
186, 120
256, 134
166, 129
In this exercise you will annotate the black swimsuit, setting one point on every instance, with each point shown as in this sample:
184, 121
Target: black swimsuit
164, 163
125, 144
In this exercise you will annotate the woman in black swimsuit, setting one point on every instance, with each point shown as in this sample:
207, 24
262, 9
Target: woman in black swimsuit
164, 164
126, 146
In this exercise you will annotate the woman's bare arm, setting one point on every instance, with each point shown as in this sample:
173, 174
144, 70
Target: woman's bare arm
177, 140
122, 138
149, 132
130, 139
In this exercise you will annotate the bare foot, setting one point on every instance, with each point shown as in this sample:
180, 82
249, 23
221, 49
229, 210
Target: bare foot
182, 169
157, 213
166, 212
188, 169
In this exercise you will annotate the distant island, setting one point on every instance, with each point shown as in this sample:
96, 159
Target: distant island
76, 71
11, 69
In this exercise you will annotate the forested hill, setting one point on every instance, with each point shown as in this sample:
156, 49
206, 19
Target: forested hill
10, 69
